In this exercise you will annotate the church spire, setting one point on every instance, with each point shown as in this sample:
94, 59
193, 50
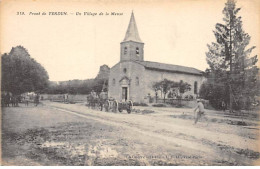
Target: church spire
132, 32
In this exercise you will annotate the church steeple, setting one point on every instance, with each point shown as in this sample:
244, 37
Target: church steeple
132, 31
132, 47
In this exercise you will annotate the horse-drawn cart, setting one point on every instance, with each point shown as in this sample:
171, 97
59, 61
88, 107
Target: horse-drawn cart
111, 105
114, 106
101, 101
127, 105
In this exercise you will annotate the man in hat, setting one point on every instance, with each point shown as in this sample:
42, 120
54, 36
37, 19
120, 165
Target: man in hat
103, 97
199, 109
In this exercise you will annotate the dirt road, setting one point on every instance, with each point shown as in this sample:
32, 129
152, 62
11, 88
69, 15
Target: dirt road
72, 134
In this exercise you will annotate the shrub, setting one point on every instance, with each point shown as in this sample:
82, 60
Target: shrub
147, 111
139, 104
215, 94
159, 105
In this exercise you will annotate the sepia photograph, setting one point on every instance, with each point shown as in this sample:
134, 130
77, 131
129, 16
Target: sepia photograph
130, 83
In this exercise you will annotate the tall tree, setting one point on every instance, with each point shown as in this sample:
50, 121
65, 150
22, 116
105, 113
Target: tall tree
21, 73
229, 58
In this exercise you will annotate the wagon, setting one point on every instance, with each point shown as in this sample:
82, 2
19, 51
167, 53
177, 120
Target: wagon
94, 102
114, 106
111, 105
128, 106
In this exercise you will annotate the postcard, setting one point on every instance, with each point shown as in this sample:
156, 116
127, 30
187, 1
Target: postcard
130, 83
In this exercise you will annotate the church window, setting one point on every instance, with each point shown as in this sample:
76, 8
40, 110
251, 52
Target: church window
114, 82
195, 87
125, 50
124, 70
137, 51
137, 81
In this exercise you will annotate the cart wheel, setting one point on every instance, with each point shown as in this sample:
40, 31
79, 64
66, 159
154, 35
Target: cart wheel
100, 106
106, 106
120, 110
115, 106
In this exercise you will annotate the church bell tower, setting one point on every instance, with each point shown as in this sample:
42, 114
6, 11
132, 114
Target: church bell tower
132, 47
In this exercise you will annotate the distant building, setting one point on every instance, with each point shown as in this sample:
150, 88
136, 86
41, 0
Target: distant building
132, 77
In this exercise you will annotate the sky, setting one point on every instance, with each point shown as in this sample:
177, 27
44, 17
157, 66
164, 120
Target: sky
75, 46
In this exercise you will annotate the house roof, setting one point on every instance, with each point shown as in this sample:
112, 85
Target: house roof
169, 67
132, 31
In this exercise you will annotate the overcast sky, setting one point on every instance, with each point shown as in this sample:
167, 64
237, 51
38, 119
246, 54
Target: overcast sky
73, 47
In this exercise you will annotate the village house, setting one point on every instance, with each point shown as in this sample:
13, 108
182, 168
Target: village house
132, 77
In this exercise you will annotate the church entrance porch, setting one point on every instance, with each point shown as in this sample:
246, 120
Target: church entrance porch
124, 84
124, 93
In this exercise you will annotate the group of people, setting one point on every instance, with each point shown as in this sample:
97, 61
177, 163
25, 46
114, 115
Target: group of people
97, 99
8, 100
102, 95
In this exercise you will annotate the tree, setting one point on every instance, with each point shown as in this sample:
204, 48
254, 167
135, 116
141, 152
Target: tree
215, 93
21, 73
156, 87
166, 85
229, 58
183, 87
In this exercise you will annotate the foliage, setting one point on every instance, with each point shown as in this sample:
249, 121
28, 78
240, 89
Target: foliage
214, 93
166, 85
229, 59
21, 73
77, 86
183, 86
82, 86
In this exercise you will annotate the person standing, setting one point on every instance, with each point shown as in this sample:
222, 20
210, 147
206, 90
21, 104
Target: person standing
26, 100
200, 110
36, 99
7, 99
103, 97
223, 105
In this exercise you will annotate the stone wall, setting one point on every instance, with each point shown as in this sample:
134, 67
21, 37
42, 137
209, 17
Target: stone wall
60, 97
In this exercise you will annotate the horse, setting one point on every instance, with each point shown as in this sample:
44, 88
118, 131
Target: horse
93, 101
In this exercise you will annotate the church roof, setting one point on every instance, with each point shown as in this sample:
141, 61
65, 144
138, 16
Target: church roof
132, 31
169, 67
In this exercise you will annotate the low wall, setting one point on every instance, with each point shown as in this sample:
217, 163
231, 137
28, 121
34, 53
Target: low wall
61, 97
186, 103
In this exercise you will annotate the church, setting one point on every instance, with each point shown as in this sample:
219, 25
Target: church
132, 77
